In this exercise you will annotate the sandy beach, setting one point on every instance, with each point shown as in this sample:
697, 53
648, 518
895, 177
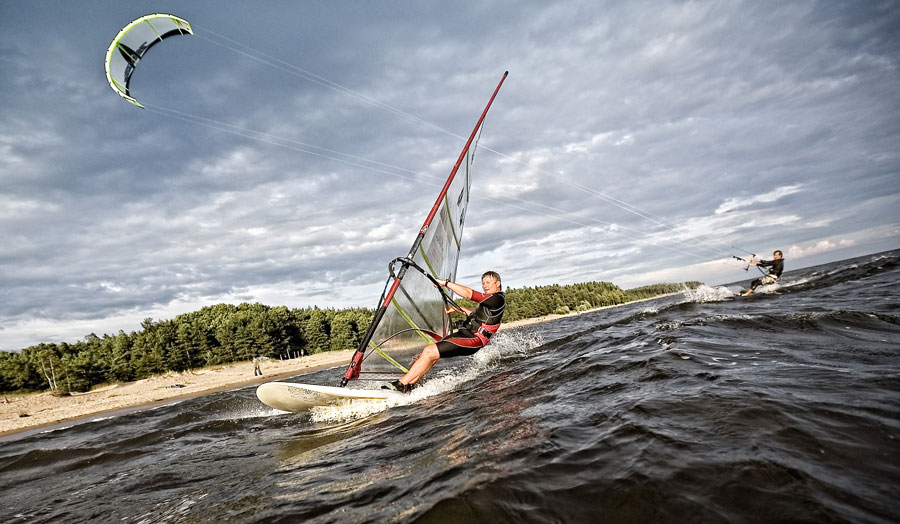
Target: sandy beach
20, 412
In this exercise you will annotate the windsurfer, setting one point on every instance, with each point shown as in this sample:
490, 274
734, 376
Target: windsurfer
473, 335
774, 268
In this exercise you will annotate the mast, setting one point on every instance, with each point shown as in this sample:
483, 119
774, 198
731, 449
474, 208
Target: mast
356, 362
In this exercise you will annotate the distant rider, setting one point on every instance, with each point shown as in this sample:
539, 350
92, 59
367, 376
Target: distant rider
774, 268
473, 335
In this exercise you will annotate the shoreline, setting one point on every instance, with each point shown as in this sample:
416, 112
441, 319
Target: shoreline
33, 412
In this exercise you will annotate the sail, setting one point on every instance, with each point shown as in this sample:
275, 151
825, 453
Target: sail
411, 312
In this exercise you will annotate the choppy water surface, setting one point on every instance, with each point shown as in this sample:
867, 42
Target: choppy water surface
702, 407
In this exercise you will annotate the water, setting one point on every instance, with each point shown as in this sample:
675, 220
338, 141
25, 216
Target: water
701, 407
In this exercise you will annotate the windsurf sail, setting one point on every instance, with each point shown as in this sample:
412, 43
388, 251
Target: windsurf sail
411, 312
133, 42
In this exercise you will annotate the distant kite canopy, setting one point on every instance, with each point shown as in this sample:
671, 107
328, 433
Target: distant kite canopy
132, 42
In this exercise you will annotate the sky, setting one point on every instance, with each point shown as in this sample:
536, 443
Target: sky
289, 149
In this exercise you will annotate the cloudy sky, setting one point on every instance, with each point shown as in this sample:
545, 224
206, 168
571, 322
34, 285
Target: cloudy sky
290, 149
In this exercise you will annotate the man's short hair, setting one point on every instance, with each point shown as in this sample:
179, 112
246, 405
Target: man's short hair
494, 275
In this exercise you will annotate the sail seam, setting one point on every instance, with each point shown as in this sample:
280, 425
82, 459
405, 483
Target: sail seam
387, 357
411, 323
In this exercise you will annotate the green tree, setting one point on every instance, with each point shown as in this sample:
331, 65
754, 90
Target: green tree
344, 331
317, 330
120, 369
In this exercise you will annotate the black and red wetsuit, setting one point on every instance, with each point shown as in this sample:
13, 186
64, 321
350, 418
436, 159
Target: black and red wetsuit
478, 327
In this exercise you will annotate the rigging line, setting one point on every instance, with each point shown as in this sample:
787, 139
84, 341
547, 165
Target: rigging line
277, 140
634, 239
611, 200
287, 67
324, 82
708, 238
742, 249
284, 142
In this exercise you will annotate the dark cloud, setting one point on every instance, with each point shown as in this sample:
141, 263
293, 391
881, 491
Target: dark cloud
289, 151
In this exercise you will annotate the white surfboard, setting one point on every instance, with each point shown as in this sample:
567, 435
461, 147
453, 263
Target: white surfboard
288, 396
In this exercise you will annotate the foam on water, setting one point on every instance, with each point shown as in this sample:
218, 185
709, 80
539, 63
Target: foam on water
505, 345
704, 293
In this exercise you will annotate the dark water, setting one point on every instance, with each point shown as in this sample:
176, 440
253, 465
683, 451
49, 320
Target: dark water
781, 407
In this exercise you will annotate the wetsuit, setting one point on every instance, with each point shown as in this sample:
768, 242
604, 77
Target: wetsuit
774, 267
478, 327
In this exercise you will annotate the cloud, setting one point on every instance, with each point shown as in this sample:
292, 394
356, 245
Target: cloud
632, 141
821, 246
772, 196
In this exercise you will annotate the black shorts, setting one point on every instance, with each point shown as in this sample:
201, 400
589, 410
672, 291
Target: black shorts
460, 343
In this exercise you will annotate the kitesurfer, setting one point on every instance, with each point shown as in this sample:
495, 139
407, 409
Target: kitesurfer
774, 268
473, 334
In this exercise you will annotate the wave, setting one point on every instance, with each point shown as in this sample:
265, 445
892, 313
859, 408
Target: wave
505, 346
779, 407
703, 293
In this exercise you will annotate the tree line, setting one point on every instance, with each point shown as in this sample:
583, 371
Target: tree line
532, 302
230, 333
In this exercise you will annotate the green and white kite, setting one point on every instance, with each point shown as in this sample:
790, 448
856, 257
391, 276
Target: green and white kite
132, 42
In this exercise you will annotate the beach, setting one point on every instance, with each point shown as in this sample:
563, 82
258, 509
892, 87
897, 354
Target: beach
20, 412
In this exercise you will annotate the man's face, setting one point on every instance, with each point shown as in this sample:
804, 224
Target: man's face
490, 285
777, 255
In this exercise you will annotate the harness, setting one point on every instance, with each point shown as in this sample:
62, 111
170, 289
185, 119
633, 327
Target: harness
488, 325
485, 332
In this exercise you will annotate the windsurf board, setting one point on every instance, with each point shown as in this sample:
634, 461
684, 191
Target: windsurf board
289, 396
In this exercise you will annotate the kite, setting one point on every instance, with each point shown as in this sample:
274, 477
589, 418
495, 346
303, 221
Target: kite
133, 42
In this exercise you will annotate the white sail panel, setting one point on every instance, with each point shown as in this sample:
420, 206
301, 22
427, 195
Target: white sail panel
416, 314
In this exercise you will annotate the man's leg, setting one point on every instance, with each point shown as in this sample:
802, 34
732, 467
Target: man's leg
427, 359
753, 285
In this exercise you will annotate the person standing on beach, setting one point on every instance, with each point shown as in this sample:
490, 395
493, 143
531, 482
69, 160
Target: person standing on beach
256, 369
473, 335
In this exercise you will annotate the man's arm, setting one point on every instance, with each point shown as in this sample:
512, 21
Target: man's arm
459, 289
465, 310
